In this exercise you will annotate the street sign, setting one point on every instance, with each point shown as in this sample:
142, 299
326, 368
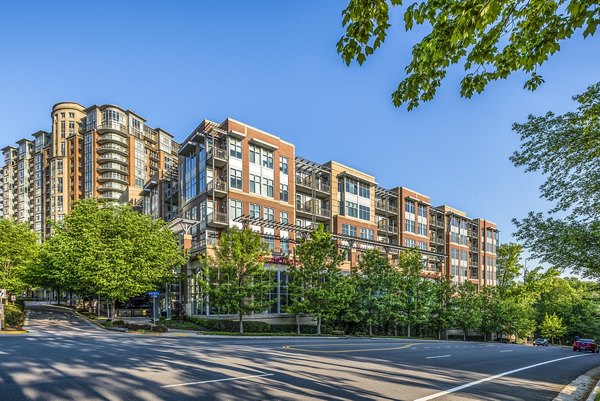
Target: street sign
153, 294
1, 316
13, 298
3, 293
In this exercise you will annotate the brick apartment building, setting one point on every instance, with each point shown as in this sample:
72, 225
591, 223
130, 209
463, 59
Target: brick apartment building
232, 174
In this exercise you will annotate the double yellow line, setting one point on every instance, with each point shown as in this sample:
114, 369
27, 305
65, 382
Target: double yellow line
293, 348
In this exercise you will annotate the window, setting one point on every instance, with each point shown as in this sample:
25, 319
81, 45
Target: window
283, 165
254, 211
422, 245
367, 233
71, 115
351, 209
422, 229
364, 212
190, 187
348, 229
455, 254
409, 206
267, 187
235, 148
363, 190
270, 242
267, 158
351, 186
254, 154
235, 209
454, 237
284, 245
283, 217
409, 226
269, 214
235, 178
409, 243
422, 211
255, 184
283, 192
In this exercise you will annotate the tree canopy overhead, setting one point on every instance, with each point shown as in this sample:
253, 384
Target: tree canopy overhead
566, 149
492, 39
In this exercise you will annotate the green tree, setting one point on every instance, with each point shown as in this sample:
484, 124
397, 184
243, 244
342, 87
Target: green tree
110, 251
442, 312
552, 327
566, 149
492, 39
317, 281
419, 292
236, 278
377, 284
508, 264
18, 250
467, 313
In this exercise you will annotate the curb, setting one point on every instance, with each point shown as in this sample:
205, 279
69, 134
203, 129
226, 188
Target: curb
595, 390
580, 387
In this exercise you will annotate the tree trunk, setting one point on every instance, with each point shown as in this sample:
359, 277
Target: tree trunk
319, 325
396, 329
370, 329
297, 323
241, 319
408, 331
464, 334
113, 306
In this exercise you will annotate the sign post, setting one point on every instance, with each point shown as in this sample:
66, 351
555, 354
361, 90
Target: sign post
153, 295
3, 294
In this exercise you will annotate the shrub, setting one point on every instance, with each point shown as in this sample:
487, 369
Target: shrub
13, 316
337, 332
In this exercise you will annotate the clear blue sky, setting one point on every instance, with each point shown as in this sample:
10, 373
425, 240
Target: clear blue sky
273, 64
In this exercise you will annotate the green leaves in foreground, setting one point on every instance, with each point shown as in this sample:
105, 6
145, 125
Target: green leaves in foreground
108, 250
18, 250
492, 39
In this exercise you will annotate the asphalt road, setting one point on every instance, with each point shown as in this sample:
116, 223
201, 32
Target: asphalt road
67, 358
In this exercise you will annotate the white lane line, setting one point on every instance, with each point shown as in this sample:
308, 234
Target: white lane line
507, 350
487, 379
217, 380
437, 356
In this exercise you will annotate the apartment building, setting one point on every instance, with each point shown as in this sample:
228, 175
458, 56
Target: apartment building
103, 152
232, 174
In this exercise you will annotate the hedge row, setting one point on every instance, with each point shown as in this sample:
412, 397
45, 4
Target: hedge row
233, 326
132, 326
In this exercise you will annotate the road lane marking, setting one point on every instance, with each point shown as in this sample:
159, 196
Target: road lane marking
293, 348
489, 378
437, 356
217, 380
507, 350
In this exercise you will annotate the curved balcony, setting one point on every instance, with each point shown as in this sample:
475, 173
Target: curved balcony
112, 126
112, 186
113, 148
116, 177
112, 138
113, 157
110, 166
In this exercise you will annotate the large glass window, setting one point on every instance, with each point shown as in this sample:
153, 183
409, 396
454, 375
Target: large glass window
422, 229
235, 178
235, 148
348, 229
283, 192
254, 211
254, 154
267, 187
190, 186
269, 214
267, 158
235, 209
351, 209
283, 217
364, 212
367, 233
423, 211
409, 206
409, 243
364, 190
351, 186
283, 164
255, 184
409, 226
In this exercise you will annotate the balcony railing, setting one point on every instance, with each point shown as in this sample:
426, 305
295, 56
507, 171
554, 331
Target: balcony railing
217, 218
381, 205
384, 226
113, 125
217, 153
217, 185
318, 185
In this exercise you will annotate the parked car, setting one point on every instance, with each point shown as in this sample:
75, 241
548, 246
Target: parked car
586, 344
541, 341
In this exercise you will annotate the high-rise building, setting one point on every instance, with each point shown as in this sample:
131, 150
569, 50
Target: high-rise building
103, 152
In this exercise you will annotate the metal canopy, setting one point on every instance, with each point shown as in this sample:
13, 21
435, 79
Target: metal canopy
304, 232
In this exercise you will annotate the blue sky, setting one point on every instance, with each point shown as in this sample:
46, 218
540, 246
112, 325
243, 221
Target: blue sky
273, 65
